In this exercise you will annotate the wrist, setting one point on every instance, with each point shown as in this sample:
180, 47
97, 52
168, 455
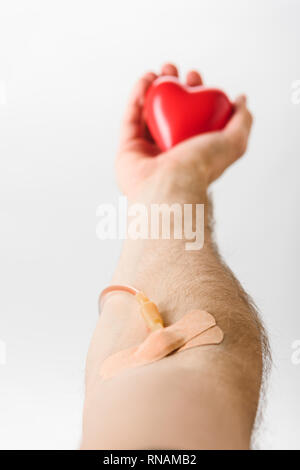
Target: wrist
173, 183
171, 196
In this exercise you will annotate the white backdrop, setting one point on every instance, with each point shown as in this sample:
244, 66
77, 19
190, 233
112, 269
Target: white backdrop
66, 68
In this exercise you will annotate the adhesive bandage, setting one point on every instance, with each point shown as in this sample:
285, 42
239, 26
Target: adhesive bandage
196, 328
212, 336
161, 343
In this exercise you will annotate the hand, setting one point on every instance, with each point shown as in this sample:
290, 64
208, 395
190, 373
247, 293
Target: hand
205, 157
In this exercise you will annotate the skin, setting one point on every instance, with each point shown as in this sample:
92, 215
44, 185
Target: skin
205, 397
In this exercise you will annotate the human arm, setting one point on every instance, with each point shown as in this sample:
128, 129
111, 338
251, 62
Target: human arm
209, 395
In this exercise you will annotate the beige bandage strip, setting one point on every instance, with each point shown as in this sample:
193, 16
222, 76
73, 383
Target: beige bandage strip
162, 342
209, 337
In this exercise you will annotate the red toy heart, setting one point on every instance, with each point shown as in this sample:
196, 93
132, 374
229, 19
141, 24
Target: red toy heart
175, 112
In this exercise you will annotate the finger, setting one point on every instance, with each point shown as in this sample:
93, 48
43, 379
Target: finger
193, 78
132, 125
238, 128
169, 69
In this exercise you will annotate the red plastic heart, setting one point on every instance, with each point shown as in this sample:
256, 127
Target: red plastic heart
174, 112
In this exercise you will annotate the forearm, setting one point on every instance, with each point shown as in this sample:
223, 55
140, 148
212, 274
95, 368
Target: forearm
178, 281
